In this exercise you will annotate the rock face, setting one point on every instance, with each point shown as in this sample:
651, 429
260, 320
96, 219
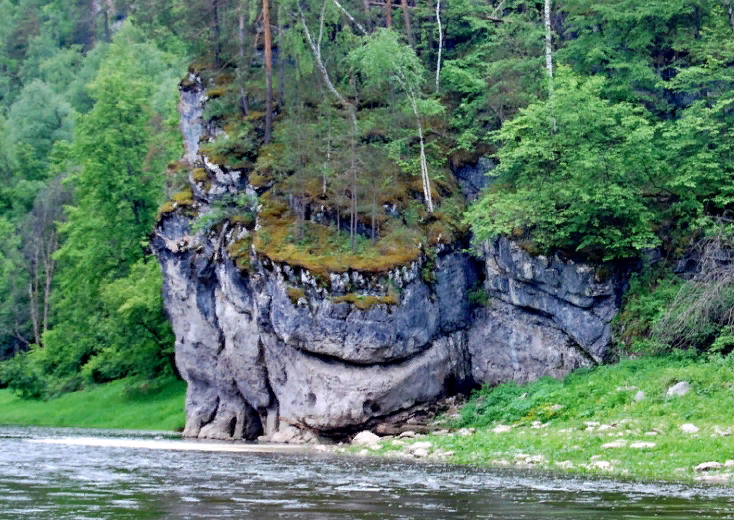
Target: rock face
259, 360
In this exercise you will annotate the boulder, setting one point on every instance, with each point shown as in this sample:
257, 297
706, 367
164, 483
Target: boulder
689, 428
678, 389
365, 437
708, 466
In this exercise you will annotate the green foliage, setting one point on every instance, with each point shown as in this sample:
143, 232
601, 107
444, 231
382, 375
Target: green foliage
38, 119
575, 167
239, 208
478, 295
607, 393
648, 298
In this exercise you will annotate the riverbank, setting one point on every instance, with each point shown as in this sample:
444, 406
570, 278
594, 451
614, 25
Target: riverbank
623, 420
119, 404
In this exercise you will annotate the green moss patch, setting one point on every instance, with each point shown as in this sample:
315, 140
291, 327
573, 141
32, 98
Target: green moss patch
183, 199
365, 302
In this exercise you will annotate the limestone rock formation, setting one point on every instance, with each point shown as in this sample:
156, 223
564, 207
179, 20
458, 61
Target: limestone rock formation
269, 349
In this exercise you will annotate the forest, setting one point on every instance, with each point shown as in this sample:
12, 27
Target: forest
608, 125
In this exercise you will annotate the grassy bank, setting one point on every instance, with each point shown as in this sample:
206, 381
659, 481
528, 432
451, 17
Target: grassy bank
615, 420
113, 405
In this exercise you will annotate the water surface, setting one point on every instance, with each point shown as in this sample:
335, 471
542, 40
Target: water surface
104, 474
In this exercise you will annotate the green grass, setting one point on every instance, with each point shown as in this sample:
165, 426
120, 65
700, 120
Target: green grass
113, 405
606, 396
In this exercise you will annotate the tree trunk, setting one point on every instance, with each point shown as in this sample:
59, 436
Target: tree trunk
353, 227
549, 56
107, 34
440, 42
217, 38
34, 313
268, 73
281, 59
424, 165
388, 12
548, 49
328, 154
316, 49
49, 266
731, 13
351, 18
374, 210
243, 95
406, 15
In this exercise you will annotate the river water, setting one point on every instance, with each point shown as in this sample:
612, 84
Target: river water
104, 474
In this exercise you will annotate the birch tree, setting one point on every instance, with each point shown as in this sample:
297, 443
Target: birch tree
384, 52
440, 41
268, 72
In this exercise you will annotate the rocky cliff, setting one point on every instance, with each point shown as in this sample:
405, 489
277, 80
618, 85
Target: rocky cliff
279, 350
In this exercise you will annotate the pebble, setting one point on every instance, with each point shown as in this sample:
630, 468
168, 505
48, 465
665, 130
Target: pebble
407, 434
419, 445
420, 453
708, 466
366, 437
713, 479
678, 390
642, 445
615, 444
502, 428
602, 464
689, 428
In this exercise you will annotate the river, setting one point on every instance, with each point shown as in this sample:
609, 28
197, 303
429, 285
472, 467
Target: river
78, 474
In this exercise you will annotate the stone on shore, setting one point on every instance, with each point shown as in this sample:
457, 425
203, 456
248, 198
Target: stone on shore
689, 428
642, 445
678, 389
708, 466
366, 437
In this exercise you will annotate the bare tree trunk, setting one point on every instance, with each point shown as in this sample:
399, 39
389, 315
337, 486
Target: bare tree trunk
406, 15
328, 154
548, 49
268, 73
302, 173
243, 94
548, 55
34, 313
440, 42
316, 49
49, 266
731, 13
107, 34
351, 18
353, 226
424, 164
217, 38
374, 210
281, 59
388, 12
